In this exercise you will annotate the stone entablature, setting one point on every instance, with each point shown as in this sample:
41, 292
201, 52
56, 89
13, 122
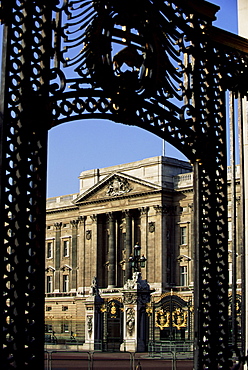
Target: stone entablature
157, 170
61, 201
185, 180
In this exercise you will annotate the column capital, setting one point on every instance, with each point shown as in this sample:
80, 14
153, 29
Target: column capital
93, 218
111, 216
74, 223
58, 225
164, 209
143, 211
81, 219
127, 212
160, 209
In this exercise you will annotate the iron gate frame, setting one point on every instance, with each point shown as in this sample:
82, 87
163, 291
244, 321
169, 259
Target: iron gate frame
35, 96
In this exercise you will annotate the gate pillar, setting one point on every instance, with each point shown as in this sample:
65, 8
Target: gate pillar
93, 319
25, 115
136, 295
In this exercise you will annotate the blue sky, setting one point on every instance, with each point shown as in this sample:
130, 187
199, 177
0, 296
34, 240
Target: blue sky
89, 144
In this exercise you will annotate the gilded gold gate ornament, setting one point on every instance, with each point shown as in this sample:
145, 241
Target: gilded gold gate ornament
113, 310
162, 319
179, 318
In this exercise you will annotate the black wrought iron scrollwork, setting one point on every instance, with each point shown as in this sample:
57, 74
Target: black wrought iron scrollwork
159, 65
25, 114
140, 59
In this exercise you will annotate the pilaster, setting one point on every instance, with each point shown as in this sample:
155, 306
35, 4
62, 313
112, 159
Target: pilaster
160, 240
128, 243
93, 245
81, 254
57, 227
74, 259
111, 252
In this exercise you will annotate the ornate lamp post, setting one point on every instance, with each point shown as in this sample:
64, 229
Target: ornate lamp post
136, 260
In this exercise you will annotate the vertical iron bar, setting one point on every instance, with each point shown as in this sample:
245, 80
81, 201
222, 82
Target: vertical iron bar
242, 219
25, 115
197, 278
233, 216
210, 207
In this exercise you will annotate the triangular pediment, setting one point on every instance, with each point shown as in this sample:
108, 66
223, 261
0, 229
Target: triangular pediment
116, 185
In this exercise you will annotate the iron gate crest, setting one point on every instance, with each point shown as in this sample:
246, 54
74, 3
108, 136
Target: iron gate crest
159, 65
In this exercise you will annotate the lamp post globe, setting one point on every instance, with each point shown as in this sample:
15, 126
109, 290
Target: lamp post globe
136, 260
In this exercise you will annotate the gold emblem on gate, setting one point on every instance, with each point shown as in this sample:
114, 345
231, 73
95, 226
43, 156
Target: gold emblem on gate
162, 319
176, 319
179, 318
113, 310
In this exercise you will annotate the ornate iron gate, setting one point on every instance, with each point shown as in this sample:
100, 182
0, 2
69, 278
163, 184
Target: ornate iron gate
113, 333
159, 65
173, 319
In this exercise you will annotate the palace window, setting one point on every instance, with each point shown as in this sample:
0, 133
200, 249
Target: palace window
65, 283
183, 235
64, 328
48, 328
183, 276
229, 272
66, 248
49, 284
49, 250
229, 230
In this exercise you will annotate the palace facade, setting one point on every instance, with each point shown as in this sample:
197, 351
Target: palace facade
91, 235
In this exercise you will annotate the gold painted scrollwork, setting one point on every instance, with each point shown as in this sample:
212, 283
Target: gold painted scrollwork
103, 308
162, 319
149, 309
113, 310
179, 318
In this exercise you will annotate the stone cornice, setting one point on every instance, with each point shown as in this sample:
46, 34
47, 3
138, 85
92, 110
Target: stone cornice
191, 190
119, 197
62, 209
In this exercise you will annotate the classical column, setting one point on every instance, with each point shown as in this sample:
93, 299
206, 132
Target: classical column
128, 244
88, 273
160, 235
94, 220
57, 226
74, 225
101, 255
143, 235
81, 254
111, 252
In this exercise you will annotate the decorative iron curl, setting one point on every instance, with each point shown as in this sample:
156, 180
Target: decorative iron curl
149, 51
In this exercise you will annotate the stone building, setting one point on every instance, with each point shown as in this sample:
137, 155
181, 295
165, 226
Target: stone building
91, 236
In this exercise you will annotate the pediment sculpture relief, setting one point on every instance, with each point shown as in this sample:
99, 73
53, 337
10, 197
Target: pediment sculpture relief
118, 186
